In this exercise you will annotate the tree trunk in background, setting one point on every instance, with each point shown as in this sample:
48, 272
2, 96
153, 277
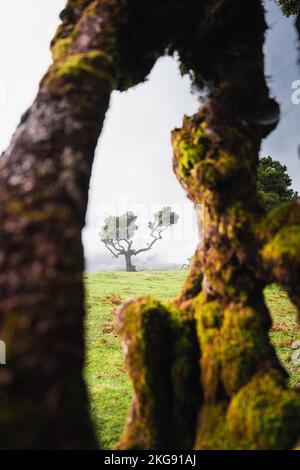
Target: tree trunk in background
129, 266
204, 372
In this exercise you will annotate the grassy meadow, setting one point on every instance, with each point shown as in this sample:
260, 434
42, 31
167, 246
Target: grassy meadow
108, 384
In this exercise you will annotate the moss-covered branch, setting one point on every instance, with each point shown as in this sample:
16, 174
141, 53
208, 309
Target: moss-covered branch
161, 354
280, 234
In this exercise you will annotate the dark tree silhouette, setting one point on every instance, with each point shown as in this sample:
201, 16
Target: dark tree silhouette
117, 233
274, 183
204, 373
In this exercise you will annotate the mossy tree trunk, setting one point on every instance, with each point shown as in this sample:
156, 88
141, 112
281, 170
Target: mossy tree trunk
203, 370
43, 193
242, 397
43, 198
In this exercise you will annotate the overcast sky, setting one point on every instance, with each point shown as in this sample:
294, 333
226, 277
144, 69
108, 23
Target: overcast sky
133, 164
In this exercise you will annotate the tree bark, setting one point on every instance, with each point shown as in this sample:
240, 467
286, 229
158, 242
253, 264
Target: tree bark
243, 398
204, 372
43, 199
129, 266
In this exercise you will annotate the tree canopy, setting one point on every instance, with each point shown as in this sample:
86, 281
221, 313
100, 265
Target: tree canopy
274, 183
119, 227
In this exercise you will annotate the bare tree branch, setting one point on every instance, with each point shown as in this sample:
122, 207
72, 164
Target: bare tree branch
142, 250
110, 243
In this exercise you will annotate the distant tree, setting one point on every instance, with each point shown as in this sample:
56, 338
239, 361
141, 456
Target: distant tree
117, 233
274, 183
188, 264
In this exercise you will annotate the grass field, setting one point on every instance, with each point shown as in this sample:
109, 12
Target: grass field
108, 385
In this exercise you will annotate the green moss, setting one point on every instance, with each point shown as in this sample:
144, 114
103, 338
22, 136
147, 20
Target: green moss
162, 361
286, 215
192, 285
77, 65
133, 328
234, 344
211, 433
209, 318
60, 48
160, 343
191, 146
264, 414
236, 219
65, 32
109, 388
205, 167
187, 392
285, 245
281, 258
213, 172
244, 346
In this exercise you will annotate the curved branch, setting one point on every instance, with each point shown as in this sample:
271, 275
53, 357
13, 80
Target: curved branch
122, 247
142, 250
156, 234
106, 243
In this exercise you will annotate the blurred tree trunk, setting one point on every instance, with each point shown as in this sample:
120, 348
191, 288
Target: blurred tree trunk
43, 193
43, 198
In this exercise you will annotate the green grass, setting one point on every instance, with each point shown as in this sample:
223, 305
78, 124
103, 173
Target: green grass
285, 329
108, 384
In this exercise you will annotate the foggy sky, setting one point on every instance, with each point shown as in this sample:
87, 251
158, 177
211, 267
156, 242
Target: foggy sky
133, 163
